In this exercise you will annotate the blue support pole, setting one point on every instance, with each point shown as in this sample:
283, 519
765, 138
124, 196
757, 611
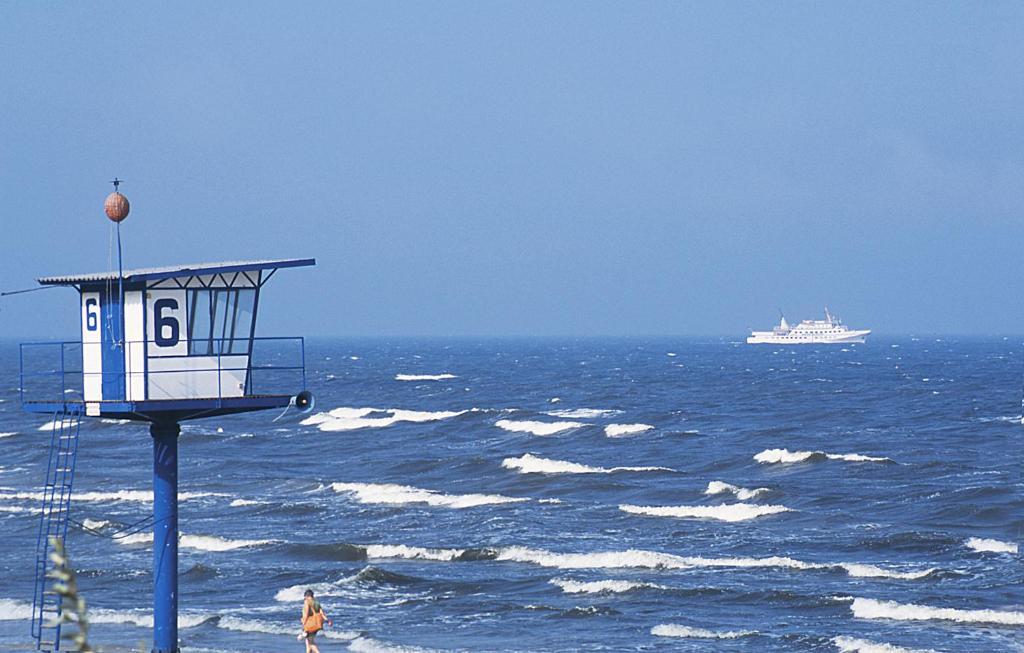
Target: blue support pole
165, 536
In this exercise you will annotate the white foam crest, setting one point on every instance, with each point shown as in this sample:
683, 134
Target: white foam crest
143, 619
624, 430
570, 586
8, 434
143, 496
13, 509
583, 413
213, 543
237, 624
853, 569
350, 419
871, 571
991, 546
295, 593
49, 426
530, 464
126, 496
135, 538
631, 558
853, 645
399, 494
732, 512
96, 524
858, 458
721, 487
537, 428
11, 610
640, 559
785, 456
780, 562
411, 552
874, 609
16, 610
401, 415
424, 377
363, 644
197, 542
675, 630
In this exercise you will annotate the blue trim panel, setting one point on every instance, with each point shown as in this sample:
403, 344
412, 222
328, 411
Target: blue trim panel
113, 345
154, 408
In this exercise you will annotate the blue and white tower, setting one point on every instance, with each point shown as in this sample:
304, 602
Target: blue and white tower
158, 345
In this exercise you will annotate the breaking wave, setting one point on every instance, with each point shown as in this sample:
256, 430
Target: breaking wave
400, 494
635, 558
537, 428
729, 512
364, 644
141, 496
351, 419
630, 559
583, 413
720, 487
623, 430
785, 456
873, 609
49, 426
601, 586
17, 610
424, 377
675, 630
335, 588
8, 434
852, 645
530, 464
991, 546
197, 542
14, 610
415, 552
239, 624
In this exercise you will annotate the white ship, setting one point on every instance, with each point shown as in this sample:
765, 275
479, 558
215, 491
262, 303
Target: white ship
831, 330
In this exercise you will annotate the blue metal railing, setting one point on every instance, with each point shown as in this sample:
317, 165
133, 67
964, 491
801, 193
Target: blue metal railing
54, 372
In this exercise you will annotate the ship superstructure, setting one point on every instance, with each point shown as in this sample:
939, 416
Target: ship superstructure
831, 330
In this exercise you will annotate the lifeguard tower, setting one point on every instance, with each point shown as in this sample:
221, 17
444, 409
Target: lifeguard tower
158, 345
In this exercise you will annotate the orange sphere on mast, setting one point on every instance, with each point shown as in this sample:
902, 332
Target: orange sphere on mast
116, 206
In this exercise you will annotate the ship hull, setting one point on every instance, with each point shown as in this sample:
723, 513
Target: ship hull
769, 338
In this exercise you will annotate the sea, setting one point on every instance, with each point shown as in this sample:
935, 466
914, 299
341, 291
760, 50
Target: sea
629, 494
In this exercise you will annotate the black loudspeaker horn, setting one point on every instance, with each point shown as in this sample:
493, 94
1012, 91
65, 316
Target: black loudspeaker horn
304, 401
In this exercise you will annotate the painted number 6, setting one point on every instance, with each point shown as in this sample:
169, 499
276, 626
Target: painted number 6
91, 317
162, 321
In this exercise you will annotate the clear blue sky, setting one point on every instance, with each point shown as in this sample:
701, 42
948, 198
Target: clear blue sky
529, 168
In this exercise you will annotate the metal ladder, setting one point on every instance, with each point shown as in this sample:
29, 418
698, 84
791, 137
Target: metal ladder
53, 522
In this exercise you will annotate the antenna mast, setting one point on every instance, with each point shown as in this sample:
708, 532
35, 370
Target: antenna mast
116, 207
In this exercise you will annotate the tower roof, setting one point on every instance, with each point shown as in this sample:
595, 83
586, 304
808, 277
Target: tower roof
192, 269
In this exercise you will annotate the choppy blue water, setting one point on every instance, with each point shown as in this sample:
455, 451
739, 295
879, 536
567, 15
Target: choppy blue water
495, 510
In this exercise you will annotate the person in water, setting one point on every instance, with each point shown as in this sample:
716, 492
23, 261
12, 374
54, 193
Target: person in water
313, 618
